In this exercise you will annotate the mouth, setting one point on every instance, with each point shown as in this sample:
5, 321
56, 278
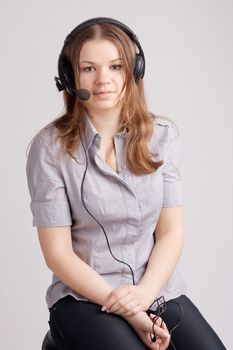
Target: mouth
102, 92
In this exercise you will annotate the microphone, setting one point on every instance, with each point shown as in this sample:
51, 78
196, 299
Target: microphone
82, 94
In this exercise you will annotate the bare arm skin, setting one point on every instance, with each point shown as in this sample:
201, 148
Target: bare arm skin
59, 256
169, 235
128, 300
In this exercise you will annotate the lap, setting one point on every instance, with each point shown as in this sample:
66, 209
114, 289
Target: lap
78, 325
194, 332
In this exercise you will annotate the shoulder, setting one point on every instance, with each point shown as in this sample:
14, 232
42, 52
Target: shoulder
164, 128
165, 137
46, 138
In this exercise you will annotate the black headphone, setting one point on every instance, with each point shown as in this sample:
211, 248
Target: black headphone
66, 79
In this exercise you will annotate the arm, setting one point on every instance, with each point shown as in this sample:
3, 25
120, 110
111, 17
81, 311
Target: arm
169, 233
169, 236
59, 256
128, 300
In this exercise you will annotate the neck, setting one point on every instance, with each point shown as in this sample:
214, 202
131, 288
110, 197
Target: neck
106, 123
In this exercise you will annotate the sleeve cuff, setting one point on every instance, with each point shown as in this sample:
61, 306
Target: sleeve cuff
172, 195
51, 214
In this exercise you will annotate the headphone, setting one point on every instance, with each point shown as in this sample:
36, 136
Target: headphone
66, 79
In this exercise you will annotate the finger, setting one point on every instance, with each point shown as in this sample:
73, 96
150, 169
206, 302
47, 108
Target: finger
162, 344
125, 304
164, 326
162, 333
131, 310
161, 323
155, 317
128, 307
115, 295
151, 345
157, 320
163, 340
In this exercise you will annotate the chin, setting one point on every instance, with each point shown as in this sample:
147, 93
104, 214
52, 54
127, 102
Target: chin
105, 105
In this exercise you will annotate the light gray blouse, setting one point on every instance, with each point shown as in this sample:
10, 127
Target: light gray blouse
127, 205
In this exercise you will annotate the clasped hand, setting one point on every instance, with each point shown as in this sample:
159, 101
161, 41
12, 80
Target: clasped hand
127, 300
131, 302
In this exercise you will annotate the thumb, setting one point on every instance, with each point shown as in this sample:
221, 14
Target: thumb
159, 331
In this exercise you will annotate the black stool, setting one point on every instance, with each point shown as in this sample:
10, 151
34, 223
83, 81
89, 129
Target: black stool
48, 343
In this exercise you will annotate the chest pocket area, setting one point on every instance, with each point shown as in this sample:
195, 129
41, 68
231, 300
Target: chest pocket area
149, 190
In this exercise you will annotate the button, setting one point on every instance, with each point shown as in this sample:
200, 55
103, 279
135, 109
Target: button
97, 139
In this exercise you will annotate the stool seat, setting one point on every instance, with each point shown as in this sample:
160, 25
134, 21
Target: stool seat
48, 343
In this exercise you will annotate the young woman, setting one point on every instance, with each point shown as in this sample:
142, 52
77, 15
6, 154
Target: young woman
105, 186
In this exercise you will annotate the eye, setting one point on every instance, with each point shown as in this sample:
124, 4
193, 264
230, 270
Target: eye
88, 69
116, 66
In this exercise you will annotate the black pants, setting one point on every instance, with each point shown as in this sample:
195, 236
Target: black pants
81, 325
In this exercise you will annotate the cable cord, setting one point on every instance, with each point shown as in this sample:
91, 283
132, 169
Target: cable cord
158, 313
181, 317
89, 212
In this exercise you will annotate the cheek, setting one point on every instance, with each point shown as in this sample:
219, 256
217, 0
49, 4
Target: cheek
85, 81
121, 85
122, 79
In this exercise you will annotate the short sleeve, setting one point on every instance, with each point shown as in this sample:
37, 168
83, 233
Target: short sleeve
49, 202
171, 169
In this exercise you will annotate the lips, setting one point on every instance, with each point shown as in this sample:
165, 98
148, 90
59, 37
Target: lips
102, 92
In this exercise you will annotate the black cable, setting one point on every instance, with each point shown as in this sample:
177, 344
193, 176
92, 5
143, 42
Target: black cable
181, 317
82, 198
158, 312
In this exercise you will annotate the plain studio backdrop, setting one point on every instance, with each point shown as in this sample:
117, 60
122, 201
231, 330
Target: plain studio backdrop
188, 47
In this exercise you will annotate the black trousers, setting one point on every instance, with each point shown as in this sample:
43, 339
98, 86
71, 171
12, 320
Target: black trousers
81, 325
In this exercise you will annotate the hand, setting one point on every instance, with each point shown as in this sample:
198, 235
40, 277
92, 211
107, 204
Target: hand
142, 324
128, 300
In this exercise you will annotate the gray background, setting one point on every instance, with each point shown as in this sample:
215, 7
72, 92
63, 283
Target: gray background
189, 53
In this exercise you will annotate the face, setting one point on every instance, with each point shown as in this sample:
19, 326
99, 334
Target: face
101, 72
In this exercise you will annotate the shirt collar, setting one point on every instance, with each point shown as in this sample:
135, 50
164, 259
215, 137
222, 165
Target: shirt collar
91, 133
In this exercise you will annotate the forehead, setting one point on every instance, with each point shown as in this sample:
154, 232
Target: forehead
98, 49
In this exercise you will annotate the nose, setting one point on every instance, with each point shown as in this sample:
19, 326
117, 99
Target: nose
102, 76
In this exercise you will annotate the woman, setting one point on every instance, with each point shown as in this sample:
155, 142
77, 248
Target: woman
104, 180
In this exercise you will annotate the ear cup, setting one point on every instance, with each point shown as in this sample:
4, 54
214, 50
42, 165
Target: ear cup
139, 68
66, 74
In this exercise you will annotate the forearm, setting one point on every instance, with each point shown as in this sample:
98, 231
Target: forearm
129, 300
79, 276
162, 262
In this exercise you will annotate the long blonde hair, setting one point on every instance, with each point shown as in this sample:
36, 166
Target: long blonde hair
135, 117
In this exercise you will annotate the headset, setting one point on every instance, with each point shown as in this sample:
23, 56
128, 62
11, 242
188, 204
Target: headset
66, 78
66, 81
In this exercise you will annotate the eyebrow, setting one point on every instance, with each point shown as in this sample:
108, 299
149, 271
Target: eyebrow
117, 59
